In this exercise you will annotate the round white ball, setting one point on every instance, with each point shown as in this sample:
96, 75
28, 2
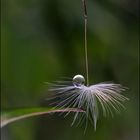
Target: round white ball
78, 80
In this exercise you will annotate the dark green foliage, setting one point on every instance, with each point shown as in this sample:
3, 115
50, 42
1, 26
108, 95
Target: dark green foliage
43, 40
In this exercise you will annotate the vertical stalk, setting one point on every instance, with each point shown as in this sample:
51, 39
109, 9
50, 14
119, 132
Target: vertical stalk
85, 37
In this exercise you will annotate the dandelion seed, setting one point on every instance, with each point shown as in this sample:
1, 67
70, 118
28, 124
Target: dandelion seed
77, 95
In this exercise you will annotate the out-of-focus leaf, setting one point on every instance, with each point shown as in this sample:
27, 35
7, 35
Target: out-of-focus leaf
18, 114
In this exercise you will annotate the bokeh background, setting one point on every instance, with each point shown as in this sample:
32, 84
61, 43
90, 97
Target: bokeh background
43, 40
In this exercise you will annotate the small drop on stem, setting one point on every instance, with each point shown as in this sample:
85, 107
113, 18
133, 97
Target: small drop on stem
78, 80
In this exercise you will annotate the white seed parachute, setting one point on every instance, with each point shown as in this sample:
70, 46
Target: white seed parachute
77, 95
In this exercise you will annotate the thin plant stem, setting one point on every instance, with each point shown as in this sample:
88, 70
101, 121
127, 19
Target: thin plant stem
85, 37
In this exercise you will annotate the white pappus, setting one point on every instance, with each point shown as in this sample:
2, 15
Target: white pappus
77, 95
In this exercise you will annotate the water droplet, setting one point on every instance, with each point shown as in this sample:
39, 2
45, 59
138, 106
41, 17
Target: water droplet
78, 80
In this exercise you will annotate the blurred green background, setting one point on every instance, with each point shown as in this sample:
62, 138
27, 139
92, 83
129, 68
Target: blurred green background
43, 40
